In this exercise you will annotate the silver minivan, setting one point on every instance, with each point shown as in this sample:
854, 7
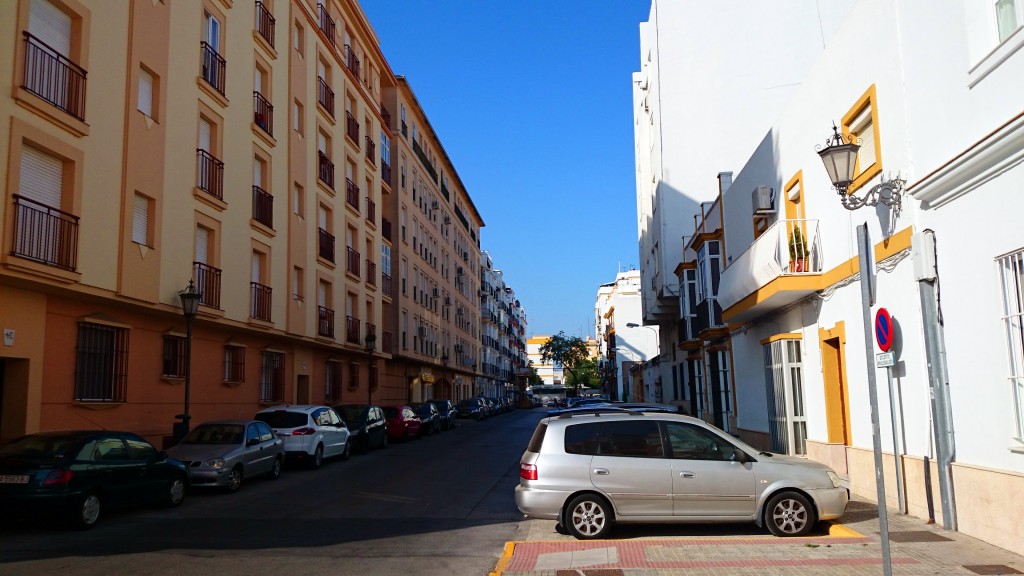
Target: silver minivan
591, 469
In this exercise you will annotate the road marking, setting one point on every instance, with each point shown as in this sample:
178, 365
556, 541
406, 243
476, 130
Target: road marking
506, 557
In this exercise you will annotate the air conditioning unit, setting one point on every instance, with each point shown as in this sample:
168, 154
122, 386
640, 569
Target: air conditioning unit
763, 199
436, 292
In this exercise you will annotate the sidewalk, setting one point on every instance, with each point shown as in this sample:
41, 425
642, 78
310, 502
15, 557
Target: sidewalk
852, 548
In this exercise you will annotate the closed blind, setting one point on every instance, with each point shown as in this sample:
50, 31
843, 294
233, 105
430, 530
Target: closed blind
50, 25
205, 134
256, 267
41, 177
146, 93
257, 172
202, 245
140, 220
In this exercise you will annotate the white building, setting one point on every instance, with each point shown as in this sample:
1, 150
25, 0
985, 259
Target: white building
932, 92
625, 342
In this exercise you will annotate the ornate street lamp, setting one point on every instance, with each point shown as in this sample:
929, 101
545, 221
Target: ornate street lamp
190, 300
371, 343
840, 159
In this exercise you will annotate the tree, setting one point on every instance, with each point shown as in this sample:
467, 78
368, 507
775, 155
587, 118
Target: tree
570, 352
534, 378
584, 376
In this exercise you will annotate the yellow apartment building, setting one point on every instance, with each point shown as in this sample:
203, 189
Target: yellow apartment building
243, 148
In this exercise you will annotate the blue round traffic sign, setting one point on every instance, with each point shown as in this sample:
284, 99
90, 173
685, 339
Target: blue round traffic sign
883, 329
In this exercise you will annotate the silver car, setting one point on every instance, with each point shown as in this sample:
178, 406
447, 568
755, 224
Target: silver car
310, 432
589, 470
224, 452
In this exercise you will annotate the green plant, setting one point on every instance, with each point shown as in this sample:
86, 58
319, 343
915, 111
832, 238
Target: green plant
798, 249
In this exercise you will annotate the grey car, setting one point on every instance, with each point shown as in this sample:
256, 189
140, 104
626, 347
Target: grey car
591, 470
223, 453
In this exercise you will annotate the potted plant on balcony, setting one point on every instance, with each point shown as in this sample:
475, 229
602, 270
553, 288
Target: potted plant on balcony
798, 251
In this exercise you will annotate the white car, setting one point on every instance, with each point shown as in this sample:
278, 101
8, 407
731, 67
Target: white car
310, 432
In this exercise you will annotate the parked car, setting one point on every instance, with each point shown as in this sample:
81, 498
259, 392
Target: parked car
367, 426
429, 416
78, 475
588, 471
403, 423
472, 408
447, 412
311, 433
223, 453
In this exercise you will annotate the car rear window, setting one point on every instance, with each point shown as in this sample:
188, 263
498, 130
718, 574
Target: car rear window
283, 419
42, 447
538, 438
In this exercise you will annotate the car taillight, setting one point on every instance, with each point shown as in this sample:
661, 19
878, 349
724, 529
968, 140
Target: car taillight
303, 432
58, 478
528, 471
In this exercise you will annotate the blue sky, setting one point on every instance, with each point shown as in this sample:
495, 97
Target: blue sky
532, 101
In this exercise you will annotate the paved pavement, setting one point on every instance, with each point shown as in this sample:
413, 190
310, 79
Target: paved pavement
852, 547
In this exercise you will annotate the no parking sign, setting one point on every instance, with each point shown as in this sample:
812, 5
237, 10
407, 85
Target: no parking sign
883, 330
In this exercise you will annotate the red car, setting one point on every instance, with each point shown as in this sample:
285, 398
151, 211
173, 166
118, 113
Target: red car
403, 423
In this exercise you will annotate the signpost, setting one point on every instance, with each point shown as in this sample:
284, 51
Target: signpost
884, 336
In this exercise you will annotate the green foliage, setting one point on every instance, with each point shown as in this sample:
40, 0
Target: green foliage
798, 249
583, 376
569, 351
533, 379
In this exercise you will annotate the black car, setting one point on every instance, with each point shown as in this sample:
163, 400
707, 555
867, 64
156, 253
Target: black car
447, 412
77, 475
429, 416
472, 408
366, 424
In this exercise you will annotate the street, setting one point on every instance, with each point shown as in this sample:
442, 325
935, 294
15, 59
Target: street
439, 505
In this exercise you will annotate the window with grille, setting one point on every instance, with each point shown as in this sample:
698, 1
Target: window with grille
353, 376
271, 377
234, 364
174, 357
1011, 280
783, 366
101, 363
332, 381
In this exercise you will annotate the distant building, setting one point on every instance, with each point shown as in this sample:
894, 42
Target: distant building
624, 343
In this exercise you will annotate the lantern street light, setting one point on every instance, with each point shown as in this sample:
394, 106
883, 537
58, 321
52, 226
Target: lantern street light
840, 159
371, 343
190, 300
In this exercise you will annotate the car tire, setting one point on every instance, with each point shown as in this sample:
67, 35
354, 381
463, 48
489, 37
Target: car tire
588, 516
347, 452
175, 492
275, 470
88, 511
234, 479
789, 514
317, 460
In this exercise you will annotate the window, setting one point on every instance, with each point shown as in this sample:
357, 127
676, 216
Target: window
234, 363
635, 439
43, 232
50, 47
101, 363
140, 220
271, 377
263, 110
1008, 18
299, 201
148, 88
297, 118
174, 357
298, 292
213, 64
861, 122
332, 381
784, 383
353, 376
690, 442
298, 38
1011, 280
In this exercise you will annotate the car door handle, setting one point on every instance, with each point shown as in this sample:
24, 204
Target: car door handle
687, 475
601, 471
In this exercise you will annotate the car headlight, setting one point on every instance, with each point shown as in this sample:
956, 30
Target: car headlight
216, 463
834, 478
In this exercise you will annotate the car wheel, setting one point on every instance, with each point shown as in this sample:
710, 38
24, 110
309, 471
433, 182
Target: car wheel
317, 460
347, 453
88, 511
275, 470
588, 516
234, 479
175, 494
789, 514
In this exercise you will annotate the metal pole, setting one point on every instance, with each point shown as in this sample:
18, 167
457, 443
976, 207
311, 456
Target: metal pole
896, 444
186, 417
863, 252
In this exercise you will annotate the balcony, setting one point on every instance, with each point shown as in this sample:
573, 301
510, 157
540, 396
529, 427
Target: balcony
45, 234
385, 228
213, 67
352, 61
207, 279
326, 170
326, 245
53, 77
385, 117
325, 96
262, 207
371, 273
352, 128
424, 160
371, 211
326, 24
352, 261
265, 23
385, 172
352, 330
371, 150
386, 285
263, 113
352, 194
260, 301
325, 322
765, 277
209, 174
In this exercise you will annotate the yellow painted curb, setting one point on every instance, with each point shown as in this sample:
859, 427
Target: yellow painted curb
841, 531
499, 568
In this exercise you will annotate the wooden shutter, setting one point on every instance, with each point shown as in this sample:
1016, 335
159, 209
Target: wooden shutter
202, 245
145, 93
140, 220
42, 176
51, 25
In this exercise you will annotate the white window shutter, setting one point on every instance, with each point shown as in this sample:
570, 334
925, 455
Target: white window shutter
321, 294
146, 93
322, 218
256, 267
321, 144
205, 134
41, 177
321, 69
50, 25
202, 245
140, 220
257, 173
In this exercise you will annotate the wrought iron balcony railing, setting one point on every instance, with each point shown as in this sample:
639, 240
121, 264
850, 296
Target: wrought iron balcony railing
207, 279
209, 174
371, 150
325, 322
265, 23
352, 128
214, 67
387, 285
326, 170
352, 194
54, 78
352, 329
371, 272
260, 301
262, 207
352, 261
371, 210
325, 96
263, 113
45, 234
326, 245
326, 24
351, 60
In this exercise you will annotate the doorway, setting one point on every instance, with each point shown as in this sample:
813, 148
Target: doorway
302, 392
837, 394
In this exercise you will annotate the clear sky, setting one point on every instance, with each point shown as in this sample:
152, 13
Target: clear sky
532, 101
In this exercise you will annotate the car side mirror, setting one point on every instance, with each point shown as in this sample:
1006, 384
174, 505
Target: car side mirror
252, 441
739, 456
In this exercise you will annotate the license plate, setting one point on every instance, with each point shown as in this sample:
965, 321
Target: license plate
13, 478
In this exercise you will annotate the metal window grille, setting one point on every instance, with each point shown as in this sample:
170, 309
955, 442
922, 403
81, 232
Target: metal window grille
271, 377
174, 357
234, 364
332, 381
784, 382
1011, 280
101, 363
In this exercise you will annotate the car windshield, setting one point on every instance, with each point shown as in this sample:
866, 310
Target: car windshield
215, 434
391, 412
283, 419
352, 414
423, 410
41, 447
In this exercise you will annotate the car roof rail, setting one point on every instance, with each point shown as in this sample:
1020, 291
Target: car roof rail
570, 412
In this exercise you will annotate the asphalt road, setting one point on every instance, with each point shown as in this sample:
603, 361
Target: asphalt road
439, 505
